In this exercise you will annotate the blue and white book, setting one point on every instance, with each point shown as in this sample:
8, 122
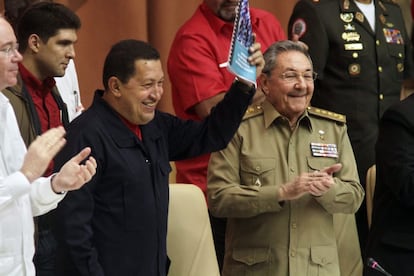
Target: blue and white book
242, 39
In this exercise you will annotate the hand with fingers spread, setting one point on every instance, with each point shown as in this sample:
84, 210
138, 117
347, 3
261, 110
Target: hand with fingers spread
41, 152
73, 174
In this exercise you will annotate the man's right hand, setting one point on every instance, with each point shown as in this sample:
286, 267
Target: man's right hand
41, 152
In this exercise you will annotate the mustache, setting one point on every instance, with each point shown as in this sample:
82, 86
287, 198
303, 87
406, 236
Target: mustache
298, 93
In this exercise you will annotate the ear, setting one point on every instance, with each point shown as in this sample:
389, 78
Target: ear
33, 43
114, 86
264, 84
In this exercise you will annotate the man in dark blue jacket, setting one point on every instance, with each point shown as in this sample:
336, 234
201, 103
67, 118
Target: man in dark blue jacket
117, 224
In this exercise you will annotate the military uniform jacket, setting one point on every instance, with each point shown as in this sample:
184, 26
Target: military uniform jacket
265, 236
360, 71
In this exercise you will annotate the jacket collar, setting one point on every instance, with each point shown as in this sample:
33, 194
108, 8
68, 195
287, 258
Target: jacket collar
121, 134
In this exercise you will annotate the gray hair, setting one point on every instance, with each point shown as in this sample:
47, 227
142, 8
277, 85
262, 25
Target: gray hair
274, 50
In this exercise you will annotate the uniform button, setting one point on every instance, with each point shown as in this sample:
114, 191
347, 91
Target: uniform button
257, 168
377, 42
292, 169
400, 55
379, 69
355, 55
292, 254
381, 97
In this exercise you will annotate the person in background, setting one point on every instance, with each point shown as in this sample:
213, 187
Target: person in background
199, 77
46, 33
23, 193
391, 236
117, 224
68, 84
288, 170
363, 57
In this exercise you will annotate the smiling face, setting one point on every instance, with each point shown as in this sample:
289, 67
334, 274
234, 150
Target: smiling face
225, 9
289, 96
9, 56
52, 57
137, 99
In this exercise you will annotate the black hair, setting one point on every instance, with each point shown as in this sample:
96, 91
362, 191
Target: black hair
120, 61
45, 19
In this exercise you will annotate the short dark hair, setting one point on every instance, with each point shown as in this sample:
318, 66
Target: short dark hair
271, 54
120, 61
45, 19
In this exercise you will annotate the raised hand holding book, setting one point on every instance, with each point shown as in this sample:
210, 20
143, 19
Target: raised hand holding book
242, 39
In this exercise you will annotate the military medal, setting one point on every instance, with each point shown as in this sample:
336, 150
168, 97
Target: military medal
351, 36
353, 46
393, 36
347, 17
321, 134
354, 69
349, 27
324, 150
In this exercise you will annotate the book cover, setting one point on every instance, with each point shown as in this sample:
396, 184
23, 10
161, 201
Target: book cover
242, 39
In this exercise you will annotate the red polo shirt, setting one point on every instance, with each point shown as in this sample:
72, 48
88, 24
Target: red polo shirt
46, 107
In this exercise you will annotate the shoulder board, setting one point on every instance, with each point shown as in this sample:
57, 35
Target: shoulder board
326, 114
253, 111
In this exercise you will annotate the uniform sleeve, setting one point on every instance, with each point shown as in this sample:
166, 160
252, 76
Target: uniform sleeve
306, 20
227, 196
347, 194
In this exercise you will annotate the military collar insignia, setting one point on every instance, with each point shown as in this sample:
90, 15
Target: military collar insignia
346, 4
360, 16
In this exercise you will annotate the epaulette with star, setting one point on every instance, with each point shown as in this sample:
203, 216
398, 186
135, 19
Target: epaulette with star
253, 111
326, 114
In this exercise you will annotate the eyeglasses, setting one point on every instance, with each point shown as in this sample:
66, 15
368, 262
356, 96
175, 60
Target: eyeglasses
10, 49
293, 76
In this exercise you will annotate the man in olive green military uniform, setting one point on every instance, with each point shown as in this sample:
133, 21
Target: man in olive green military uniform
362, 54
287, 179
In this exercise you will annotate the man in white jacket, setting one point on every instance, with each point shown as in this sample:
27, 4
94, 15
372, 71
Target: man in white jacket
23, 193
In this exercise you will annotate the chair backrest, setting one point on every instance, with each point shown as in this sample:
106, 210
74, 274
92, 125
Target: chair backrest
369, 191
190, 243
